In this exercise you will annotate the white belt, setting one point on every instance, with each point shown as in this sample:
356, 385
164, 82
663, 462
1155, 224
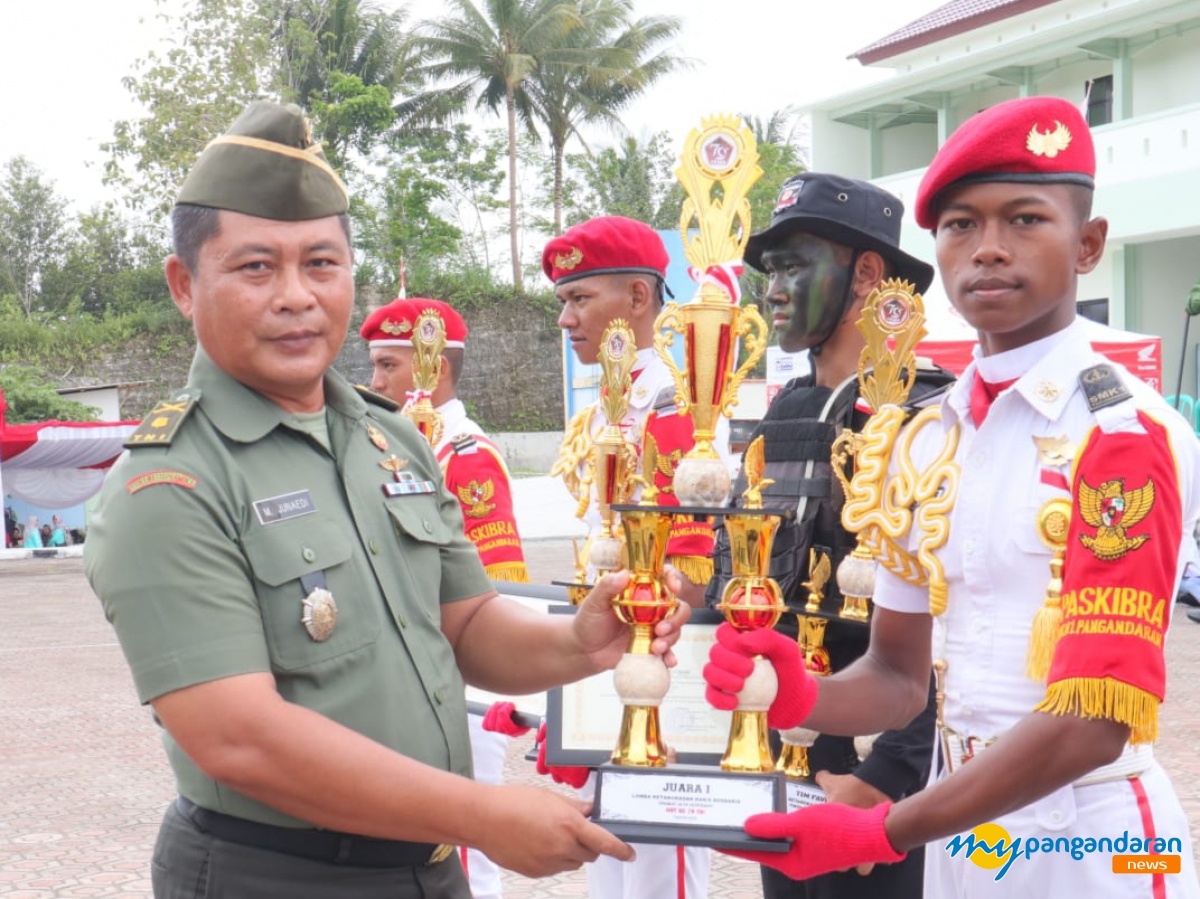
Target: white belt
1133, 761
958, 749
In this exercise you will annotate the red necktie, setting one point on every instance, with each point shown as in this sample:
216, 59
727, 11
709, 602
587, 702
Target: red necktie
982, 395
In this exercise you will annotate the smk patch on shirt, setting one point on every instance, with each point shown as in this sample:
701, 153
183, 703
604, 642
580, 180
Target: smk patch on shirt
162, 476
280, 508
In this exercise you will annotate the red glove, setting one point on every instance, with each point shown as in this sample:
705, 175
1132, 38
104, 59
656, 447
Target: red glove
499, 719
571, 775
731, 660
825, 837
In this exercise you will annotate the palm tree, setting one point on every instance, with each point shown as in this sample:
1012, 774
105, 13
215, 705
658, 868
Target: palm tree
600, 69
488, 56
322, 41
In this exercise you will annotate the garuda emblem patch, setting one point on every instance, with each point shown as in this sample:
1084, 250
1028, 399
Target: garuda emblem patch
474, 497
1048, 143
1111, 510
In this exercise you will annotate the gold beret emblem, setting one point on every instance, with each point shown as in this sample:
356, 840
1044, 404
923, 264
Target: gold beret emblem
569, 260
1048, 143
391, 327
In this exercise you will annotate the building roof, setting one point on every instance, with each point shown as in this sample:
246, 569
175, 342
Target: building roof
948, 20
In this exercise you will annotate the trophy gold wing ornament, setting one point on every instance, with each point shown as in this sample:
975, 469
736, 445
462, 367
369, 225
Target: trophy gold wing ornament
820, 569
718, 167
755, 463
429, 341
879, 507
614, 458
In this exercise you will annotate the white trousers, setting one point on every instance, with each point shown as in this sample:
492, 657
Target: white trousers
487, 754
654, 874
1101, 810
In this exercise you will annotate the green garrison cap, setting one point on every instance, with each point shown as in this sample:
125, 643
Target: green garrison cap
266, 165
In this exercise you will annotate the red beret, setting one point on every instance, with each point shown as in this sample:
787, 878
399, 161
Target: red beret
1033, 139
608, 245
392, 325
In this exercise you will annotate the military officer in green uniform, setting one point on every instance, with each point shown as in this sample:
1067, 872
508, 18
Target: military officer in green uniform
290, 583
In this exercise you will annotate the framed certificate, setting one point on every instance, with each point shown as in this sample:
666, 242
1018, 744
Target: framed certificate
583, 719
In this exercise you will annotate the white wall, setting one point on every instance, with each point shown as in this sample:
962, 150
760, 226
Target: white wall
908, 147
1166, 272
840, 148
1167, 74
104, 400
966, 106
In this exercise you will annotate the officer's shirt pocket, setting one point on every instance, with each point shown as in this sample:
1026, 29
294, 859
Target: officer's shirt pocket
421, 533
283, 554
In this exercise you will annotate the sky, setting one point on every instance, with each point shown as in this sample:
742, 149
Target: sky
63, 93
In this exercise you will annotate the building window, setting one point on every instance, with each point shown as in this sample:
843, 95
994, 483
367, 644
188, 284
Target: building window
1096, 310
1100, 100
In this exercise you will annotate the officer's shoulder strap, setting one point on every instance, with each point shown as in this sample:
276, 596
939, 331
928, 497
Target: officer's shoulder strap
376, 399
162, 423
665, 399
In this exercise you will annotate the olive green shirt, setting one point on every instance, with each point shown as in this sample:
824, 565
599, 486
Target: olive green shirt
203, 568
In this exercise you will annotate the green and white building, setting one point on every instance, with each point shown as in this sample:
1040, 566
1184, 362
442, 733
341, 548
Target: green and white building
1133, 64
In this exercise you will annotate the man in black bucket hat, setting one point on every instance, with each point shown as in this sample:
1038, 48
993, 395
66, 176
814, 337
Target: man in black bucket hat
831, 241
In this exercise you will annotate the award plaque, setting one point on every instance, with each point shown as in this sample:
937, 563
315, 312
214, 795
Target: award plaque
687, 805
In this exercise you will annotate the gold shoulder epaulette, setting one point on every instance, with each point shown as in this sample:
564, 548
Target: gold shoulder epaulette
377, 399
161, 425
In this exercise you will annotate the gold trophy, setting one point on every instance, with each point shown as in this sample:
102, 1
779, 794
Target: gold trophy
752, 600
718, 168
793, 759
641, 678
893, 323
428, 340
613, 456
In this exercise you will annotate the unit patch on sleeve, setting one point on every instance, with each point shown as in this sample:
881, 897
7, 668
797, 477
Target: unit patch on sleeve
162, 476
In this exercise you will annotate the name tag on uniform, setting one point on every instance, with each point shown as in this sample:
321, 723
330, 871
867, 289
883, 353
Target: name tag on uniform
406, 485
281, 508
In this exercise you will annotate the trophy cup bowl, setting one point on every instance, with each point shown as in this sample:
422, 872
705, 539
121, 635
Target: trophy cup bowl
707, 387
641, 678
751, 600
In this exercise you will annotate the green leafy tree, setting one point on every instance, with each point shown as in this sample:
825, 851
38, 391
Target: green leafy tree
33, 233
602, 67
222, 56
485, 57
343, 60
429, 206
781, 155
31, 398
108, 266
634, 179
340, 60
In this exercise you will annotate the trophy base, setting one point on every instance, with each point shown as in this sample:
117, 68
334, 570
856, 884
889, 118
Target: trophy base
687, 805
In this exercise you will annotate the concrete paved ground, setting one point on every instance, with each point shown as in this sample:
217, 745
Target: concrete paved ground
83, 780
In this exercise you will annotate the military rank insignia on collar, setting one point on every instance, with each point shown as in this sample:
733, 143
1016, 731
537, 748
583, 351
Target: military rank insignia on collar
160, 426
1103, 386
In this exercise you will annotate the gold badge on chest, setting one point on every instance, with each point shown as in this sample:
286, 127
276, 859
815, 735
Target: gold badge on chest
377, 438
320, 614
